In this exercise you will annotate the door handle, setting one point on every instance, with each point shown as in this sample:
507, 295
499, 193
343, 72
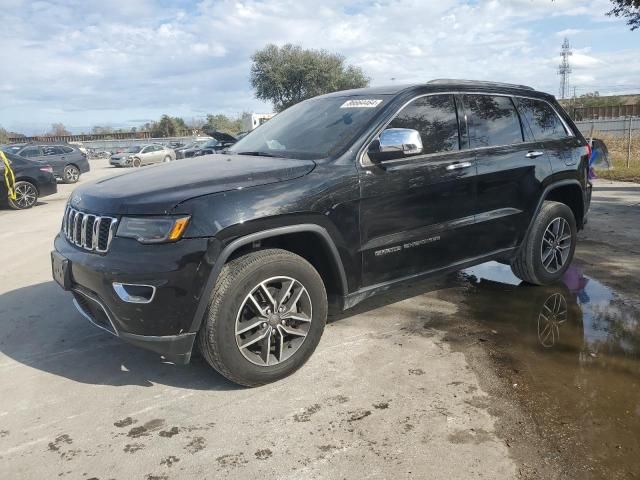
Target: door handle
534, 154
458, 166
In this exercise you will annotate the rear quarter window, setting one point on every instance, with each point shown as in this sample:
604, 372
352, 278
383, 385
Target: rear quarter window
542, 119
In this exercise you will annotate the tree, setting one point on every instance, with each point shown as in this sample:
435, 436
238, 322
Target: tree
287, 75
168, 127
222, 123
4, 136
99, 130
58, 130
629, 9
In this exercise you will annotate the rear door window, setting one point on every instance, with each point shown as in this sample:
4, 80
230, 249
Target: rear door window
542, 119
435, 118
30, 152
493, 121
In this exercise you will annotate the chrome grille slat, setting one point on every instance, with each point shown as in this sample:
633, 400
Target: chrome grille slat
83, 230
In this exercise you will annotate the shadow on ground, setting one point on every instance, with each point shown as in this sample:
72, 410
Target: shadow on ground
40, 328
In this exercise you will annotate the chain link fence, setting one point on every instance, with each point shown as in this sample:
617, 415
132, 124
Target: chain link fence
622, 137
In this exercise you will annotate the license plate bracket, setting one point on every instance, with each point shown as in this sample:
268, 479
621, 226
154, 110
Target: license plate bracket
61, 270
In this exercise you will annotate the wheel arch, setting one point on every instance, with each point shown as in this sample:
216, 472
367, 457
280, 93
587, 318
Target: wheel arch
570, 193
300, 239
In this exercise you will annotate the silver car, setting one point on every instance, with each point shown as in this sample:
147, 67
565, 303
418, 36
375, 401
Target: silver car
140, 155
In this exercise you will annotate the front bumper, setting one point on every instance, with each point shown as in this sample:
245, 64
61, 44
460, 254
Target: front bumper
165, 325
118, 162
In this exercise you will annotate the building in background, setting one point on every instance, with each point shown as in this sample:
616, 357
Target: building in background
251, 121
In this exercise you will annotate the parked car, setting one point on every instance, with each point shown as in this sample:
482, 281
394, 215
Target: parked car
192, 145
337, 198
67, 161
33, 180
212, 146
140, 155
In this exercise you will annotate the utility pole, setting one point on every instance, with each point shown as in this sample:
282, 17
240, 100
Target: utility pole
564, 69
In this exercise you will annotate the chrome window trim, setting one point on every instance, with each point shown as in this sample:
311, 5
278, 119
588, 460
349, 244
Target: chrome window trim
364, 148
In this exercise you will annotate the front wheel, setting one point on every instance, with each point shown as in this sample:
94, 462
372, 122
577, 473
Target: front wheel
547, 251
265, 318
136, 162
26, 196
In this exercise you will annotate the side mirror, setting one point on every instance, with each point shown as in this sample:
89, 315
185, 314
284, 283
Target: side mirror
396, 143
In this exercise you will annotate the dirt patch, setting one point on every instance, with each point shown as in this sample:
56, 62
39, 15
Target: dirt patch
233, 460
60, 440
263, 454
169, 461
125, 422
358, 415
381, 405
196, 444
475, 436
306, 414
133, 447
146, 429
169, 433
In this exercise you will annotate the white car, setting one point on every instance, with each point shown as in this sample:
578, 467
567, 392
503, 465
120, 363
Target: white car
140, 155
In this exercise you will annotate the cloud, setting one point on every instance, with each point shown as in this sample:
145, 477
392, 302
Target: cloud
87, 62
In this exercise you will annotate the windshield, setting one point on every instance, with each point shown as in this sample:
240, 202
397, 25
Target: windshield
313, 129
134, 149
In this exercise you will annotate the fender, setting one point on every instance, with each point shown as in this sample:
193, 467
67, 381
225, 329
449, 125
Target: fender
254, 237
545, 192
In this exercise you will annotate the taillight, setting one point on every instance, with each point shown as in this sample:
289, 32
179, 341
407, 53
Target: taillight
46, 169
588, 151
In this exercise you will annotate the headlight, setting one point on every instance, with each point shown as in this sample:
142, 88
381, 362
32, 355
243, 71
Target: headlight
153, 229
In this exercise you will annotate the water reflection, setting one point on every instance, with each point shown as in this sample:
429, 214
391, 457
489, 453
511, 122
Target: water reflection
573, 349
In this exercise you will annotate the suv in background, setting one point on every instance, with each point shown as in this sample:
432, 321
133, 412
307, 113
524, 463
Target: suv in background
139, 155
67, 161
337, 198
215, 145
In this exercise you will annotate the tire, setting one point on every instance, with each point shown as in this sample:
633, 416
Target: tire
167, 159
136, 162
26, 196
71, 174
231, 310
538, 261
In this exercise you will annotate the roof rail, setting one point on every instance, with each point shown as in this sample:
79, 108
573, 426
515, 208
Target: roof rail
477, 82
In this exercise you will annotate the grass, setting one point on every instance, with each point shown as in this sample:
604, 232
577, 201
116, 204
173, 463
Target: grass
618, 150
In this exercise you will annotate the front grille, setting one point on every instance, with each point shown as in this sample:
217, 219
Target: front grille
88, 231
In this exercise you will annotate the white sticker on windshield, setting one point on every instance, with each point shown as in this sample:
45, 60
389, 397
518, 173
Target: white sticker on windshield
361, 103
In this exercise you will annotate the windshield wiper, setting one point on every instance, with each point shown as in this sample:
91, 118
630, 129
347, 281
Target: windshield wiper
256, 154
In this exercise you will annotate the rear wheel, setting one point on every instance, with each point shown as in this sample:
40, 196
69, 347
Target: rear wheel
26, 196
71, 174
265, 318
167, 159
548, 250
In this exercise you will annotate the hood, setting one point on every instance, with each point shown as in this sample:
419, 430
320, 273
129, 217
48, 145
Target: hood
158, 189
118, 156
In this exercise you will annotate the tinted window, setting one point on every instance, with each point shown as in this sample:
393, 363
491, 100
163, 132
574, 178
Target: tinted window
492, 121
542, 119
52, 151
434, 117
30, 152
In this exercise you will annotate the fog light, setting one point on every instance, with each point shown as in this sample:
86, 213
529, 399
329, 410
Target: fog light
134, 293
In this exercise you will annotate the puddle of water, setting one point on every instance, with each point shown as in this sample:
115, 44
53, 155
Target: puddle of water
574, 349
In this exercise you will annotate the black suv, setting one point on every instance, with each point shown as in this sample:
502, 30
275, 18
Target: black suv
335, 199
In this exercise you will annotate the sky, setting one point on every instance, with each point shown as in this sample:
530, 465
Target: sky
122, 63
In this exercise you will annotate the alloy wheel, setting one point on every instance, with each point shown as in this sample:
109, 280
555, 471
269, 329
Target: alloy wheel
71, 174
273, 321
556, 245
552, 315
26, 195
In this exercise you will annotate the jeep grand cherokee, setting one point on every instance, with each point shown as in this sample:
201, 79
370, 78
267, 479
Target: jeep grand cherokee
340, 196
